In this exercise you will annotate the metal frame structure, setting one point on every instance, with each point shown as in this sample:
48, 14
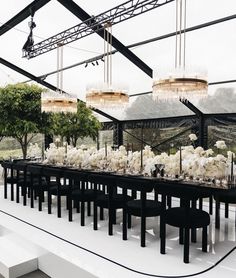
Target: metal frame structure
26, 12
92, 24
199, 121
190, 29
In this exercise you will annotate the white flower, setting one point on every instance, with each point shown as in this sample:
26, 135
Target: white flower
209, 152
57, 140
199, 150
192, 137
230, 154
220, 145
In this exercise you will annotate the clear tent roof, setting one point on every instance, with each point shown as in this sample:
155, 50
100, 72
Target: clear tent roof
212, 47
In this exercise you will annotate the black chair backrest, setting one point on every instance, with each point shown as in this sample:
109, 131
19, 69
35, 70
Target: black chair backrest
180, 190
75, 175
102, 179
135, 183
35, 169
52, 172
7, 164
19, 166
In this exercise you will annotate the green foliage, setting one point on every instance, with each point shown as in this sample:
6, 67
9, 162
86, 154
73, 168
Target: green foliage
76, 125
20, 112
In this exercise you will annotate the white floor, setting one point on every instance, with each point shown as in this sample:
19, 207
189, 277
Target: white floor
95, 254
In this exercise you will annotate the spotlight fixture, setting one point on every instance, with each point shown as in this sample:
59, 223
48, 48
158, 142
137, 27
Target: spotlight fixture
93, 64
86, 65
102, 59
97, 63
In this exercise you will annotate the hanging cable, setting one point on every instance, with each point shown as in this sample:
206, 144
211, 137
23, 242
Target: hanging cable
59, 67
185, 20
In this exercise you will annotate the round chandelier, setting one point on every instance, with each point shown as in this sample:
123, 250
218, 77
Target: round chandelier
58, 101
182, 81
106, 95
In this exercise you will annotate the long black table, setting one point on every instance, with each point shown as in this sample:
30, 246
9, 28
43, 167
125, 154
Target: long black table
185, 190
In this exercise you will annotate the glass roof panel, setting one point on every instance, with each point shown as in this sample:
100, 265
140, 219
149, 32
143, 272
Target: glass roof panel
212, 47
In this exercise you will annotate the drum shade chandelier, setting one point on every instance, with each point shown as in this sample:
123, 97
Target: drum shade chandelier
58, 101
182, 81
106, 95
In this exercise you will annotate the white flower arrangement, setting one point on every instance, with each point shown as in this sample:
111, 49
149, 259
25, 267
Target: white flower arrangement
196, 162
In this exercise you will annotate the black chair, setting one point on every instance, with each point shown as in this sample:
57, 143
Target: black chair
185, 218
21, 177
112, 200
9, 178
37, 184
54, 187
223, 196
80, 192
141, 207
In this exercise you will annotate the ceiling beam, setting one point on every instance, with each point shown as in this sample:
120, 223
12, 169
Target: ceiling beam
83, 16
49, 86
22, 15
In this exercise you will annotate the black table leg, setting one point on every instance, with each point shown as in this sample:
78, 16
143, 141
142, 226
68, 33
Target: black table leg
186, 245
5, 183
217, 213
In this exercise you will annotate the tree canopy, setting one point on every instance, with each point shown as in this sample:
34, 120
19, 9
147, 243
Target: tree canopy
21, 117
73, 126
20, 112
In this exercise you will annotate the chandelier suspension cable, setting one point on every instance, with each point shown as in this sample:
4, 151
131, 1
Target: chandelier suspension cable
59, 67
180, 81
176, 33
185, 22
107, 53
106, 95
58, 101
180, 43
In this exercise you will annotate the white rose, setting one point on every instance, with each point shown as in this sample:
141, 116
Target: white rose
220, 145
192, 137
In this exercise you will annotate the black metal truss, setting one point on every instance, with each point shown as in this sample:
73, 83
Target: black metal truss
26, 12
98, 57
93, 24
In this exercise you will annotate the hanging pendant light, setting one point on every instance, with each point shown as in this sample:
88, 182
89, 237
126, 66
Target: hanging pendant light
58, 101
182, 81
107, 95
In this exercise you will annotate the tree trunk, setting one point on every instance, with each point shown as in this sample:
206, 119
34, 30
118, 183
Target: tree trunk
24, 143
74, 140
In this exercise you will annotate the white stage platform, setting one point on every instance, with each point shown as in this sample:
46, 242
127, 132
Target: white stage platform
65, 249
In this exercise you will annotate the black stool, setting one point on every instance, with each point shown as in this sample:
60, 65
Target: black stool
227, 197
183, 217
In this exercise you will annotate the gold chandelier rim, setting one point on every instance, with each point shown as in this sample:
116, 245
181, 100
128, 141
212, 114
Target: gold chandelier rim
106, 93
177, 80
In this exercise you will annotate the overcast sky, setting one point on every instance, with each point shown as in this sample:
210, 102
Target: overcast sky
212, 47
